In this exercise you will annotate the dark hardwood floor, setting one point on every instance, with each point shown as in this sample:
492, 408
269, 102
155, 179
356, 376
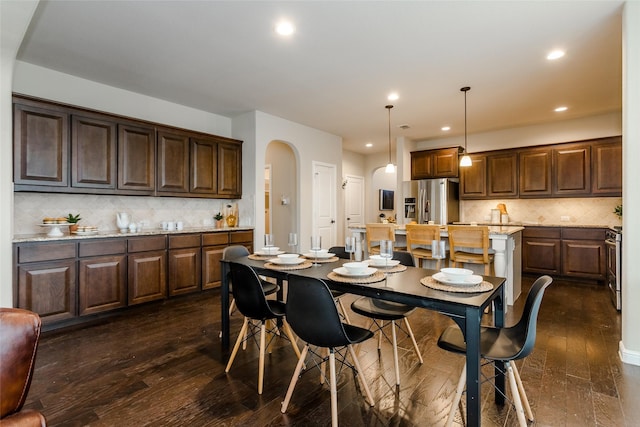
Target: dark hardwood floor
162, 365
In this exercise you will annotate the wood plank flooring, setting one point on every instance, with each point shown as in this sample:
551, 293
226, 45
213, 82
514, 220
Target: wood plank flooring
162, 365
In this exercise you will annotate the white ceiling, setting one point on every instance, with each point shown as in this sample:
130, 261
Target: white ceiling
335, 72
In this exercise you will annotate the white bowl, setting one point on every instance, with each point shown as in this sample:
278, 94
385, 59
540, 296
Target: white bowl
355, 267
270, 250
456, 274
288, 258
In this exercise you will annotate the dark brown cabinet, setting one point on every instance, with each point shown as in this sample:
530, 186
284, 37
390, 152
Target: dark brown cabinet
204, 161
473, 179
41, 146
184, 264
606, 160
442, 163
93, 153
213, 245
173, 162
229, 169
102, 276
535, 173
502, 175
136, 158
541, 250
146, 265
572, 170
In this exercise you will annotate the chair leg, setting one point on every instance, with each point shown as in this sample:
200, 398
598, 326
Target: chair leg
334, 390
413, 340
262, 351
323, 368
232, 306
344, 311
395, 351
241, 335
244, 342
516, 396
294, 379
292, 338
487, 269
456, 399
523, 394
380, 335
356, 362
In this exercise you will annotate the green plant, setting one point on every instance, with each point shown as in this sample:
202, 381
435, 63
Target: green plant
73, 219
218, 216
618, 211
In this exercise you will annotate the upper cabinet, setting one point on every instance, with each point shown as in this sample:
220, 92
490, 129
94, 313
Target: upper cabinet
442, 163
473, 179
606, 167
60, 148
572, 170
535, 172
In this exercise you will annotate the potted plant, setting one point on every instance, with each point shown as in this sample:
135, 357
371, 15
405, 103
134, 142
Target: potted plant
218, 217
73, 220
618, 211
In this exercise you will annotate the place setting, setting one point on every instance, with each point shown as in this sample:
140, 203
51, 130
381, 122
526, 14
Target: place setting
456, 280
268, 251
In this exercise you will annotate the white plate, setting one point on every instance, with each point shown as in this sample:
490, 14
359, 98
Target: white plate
320, 255
381, 262
271, 253
293, 261
344, 272
472, 280
85, 233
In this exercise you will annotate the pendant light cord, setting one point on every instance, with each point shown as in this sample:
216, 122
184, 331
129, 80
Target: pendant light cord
465, 90
389, 107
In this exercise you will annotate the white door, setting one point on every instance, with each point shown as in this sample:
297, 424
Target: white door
324, 203
353, 202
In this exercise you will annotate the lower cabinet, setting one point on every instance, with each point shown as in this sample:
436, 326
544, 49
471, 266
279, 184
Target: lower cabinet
541, 250
147, 266
184, 264
102, 276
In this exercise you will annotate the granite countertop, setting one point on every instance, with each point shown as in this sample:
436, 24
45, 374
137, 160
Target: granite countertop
495, 230
42, 237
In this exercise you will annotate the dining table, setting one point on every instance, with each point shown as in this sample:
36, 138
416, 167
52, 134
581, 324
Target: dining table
408, 286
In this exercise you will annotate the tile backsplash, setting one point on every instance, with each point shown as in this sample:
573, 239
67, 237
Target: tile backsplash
100, 210
562, 211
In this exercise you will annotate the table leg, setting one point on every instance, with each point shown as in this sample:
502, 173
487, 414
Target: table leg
224, 304
498, 321
472, 328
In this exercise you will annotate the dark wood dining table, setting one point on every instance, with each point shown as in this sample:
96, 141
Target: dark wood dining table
466, 309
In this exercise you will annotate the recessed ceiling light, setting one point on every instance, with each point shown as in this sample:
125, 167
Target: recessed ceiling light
285, 28
445, 128
393, 96
561, 109
368, 145
555, 54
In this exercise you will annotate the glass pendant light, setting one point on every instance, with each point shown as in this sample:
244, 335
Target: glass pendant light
465, 161
390, 166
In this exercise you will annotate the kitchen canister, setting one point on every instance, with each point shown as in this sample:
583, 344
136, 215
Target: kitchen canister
495, 216
504, 218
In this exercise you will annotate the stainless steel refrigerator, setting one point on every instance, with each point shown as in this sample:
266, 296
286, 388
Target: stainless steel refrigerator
436, 200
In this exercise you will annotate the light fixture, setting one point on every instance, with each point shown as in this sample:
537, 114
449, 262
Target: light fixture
465, 161
390, 167
560, 109
555, 54
285, 28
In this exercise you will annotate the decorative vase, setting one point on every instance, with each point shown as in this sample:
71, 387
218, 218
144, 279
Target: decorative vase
231, 220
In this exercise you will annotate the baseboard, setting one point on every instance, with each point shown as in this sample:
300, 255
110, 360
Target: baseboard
628, 356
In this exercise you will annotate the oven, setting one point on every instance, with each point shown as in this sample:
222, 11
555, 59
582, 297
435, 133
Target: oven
613, 243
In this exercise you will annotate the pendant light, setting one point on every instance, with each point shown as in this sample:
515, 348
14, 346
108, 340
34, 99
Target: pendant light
390, 166
465, 161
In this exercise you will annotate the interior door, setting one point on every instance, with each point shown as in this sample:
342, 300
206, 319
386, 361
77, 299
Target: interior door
324, 203
353, 202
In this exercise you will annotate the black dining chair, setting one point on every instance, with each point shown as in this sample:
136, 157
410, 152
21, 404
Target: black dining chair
253, 304
313, 316
505, 344
341, 253
386, 311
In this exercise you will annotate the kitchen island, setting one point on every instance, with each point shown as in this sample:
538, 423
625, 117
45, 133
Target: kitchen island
506, 244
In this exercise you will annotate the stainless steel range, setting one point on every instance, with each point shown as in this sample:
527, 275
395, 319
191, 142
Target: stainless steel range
614, 265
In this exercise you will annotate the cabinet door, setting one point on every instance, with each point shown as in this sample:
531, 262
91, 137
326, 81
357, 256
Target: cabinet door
147, 276
421, 165
541, 256
184, 271
535, 173
204, 166
584, 258
607, 168
41, 146
173, 162
211, 269
49, 289
572, 170
445, 163
473, 183
93, 153
102, 284
502, 181
230, 169
136, 158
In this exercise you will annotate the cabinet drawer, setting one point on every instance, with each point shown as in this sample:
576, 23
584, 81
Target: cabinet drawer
541, 232
213, 239
46, 252
184, 241
583, 233
142, 244
102, 247
241, 236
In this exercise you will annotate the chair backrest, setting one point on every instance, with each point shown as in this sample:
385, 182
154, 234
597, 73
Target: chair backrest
248, 292
19, 336
312, 314
468, 236
235, 251
422, 235
525, 330
405, 258
339, 251
379, 231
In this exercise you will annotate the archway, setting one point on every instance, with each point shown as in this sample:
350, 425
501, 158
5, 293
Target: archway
281, 192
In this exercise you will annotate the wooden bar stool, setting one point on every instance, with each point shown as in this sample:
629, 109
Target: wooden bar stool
377, 232
419, 239
470, 244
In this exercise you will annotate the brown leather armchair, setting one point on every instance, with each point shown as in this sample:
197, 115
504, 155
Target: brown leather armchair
19, 335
